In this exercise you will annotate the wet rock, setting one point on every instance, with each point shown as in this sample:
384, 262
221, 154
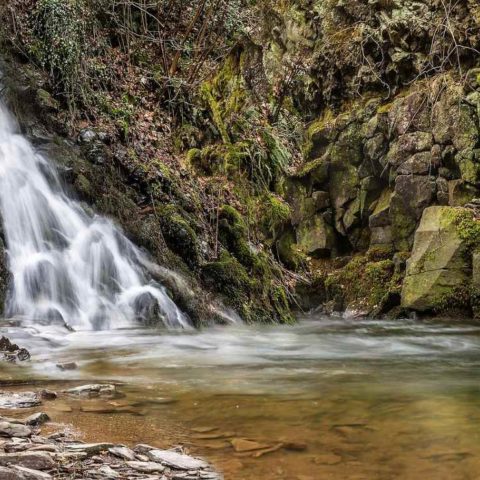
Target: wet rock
93, 390
47, 395
33, 460
67, 366
19, 400
176, 460
244, 445
11, 352
14, 430
37, 419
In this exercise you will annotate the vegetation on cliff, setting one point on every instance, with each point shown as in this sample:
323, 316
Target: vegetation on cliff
265, 144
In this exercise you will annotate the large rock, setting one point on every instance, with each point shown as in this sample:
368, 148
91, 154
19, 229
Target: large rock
453, 121
315, 236
8, 429
412, 195
440, 259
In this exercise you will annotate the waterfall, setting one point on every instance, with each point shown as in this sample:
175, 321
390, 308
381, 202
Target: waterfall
69, 267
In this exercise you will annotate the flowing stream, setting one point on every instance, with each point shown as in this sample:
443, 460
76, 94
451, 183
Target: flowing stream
368, 399
69, 267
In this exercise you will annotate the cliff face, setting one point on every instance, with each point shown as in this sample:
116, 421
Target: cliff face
300, 159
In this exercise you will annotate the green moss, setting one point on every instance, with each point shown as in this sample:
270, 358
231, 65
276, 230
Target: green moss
229, 277
288, 251
363, 283
453, 301
467, 227
275, 213
178, 234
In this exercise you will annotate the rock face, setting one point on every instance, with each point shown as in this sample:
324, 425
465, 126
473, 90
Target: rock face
441, 263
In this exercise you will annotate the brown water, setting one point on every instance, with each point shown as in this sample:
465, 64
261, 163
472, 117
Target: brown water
368, 399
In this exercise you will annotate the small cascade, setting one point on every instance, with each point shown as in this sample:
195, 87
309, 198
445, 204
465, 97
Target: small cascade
69, 267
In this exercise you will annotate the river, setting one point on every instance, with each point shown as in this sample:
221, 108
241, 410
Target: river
358, 399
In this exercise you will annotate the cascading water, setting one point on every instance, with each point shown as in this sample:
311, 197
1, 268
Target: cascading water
68, 266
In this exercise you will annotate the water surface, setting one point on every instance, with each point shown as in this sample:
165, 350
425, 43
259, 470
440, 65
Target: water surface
369, 399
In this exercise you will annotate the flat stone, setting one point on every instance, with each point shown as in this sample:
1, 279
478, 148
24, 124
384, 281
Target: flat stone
176, 460
90, 448
19, 400
30, 474
146, 467
92, 390
244, 445
14, 430
37, 419
33, 460
9, 474
122, 452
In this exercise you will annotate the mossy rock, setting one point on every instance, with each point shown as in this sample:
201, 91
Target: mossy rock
440, 265
228, 276
289, 252
179, 235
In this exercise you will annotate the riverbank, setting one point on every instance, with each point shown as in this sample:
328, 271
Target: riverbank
26, 454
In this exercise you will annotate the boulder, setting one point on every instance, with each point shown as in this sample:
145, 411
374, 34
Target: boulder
411, 196
439, 262
418, 164
315, 236
37, 419
8, 429
410, 113
453, 121
407, 145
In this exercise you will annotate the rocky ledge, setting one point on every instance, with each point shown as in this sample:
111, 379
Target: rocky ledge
27, 455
